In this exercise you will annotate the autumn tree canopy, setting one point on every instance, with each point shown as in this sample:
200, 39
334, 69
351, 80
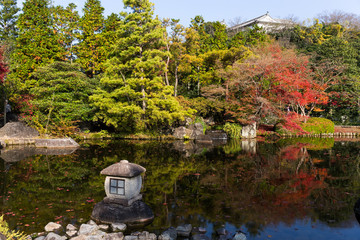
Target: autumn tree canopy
149, 73
270, 81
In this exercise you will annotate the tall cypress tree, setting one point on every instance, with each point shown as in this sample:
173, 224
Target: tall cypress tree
90, 51
134, 96
37, 44
8, 18
112, 24
66, 25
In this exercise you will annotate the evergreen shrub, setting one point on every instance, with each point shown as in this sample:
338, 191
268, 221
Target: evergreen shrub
317, 125
233, 130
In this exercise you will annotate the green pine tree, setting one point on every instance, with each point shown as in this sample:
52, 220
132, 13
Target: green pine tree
37, 45
134, 96
60, 97
176, 48
8, 18
109, 32
66, 25
90, 50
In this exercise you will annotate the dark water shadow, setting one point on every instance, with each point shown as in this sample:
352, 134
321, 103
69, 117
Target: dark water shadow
357, 210
17, 153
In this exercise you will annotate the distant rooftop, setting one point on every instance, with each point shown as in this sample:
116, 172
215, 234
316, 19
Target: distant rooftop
265, 21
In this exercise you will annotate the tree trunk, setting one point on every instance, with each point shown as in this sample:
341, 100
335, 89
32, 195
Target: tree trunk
5, 104
198, 85
125, 83
142, 87
167, 61
176, 80
227, 91
166, 71
198, 88
143, 97
71, 53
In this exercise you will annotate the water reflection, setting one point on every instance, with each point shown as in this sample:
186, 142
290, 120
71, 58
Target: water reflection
357, 210
290, 185
18, 153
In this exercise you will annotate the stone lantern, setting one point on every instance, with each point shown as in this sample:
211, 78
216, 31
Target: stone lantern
122, 203
123, 182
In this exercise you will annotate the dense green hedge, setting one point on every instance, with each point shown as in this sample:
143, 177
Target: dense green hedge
317, 125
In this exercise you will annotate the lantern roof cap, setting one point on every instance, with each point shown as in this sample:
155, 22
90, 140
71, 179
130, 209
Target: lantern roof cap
123, 169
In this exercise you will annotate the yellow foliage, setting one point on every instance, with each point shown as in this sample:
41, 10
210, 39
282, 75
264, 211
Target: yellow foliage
316, 109
314, 34
317, 160
10, 234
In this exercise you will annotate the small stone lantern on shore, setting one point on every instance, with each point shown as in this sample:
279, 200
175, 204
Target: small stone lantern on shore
122, 203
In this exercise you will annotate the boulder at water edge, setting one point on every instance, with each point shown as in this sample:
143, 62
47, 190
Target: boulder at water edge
18, 130
136, 214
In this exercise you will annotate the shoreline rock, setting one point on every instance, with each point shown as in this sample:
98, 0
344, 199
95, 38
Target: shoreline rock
56, 143
40, 142
16, 153
18, 133
91, 230
137, 214
197, 132
17, 130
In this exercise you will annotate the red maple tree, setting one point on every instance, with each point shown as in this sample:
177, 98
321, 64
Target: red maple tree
4, 69
273, 81
292, 81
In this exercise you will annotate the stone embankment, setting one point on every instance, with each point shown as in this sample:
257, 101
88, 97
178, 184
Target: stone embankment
18, 133
92, 231
326, 135
340, 132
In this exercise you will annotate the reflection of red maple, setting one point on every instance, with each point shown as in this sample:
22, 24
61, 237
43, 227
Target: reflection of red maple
302, 186
293, 152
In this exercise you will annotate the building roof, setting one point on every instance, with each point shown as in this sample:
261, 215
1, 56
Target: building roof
265, 19
123, 169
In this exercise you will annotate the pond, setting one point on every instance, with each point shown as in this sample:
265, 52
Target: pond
291, 189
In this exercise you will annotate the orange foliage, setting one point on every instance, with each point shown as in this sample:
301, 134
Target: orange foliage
293, 152
302, 186
271, 80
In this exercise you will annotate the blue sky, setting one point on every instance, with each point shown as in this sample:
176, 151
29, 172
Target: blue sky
213, 10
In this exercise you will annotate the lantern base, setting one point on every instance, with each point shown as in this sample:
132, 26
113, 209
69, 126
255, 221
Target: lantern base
137, 214
122, 201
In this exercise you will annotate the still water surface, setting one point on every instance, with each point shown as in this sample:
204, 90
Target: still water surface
292, 189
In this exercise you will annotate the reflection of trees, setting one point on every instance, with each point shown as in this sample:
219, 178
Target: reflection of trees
2, 180
164, 168
233, 146
48, 188
343, 182
281, 183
